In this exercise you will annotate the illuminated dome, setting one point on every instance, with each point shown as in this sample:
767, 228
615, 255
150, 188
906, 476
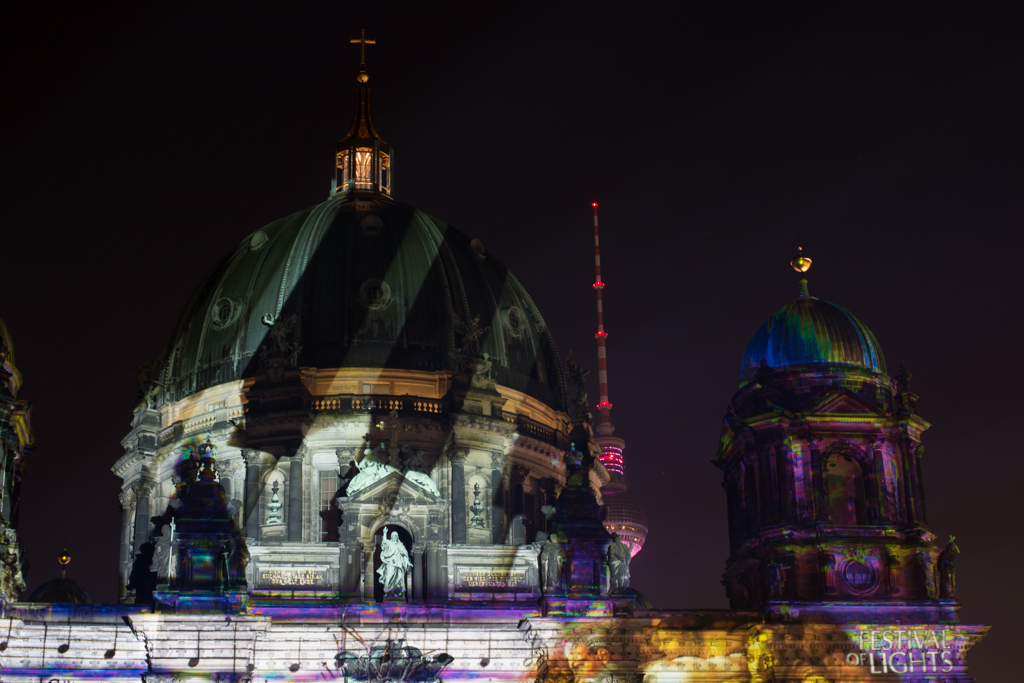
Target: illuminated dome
363, 281
808, 331
626, 517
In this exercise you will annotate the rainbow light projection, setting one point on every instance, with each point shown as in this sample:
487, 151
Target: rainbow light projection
415, 389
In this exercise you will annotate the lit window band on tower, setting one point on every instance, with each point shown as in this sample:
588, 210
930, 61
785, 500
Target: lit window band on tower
626, 517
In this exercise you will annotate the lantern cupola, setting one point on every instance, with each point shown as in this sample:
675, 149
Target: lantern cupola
362, 160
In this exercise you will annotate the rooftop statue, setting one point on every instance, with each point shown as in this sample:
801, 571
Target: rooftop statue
619, 556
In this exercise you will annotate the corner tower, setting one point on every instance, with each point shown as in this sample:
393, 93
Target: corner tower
821, 451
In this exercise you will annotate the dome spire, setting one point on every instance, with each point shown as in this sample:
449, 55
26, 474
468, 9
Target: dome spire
362, 160
801, 263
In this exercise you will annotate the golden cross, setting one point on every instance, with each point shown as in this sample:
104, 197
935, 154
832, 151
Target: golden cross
363, 42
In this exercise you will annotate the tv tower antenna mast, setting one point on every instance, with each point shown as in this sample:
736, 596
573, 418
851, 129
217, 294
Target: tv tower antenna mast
626, 517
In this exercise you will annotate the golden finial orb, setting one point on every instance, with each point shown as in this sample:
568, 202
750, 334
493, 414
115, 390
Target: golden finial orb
64, 558
363, 77
801, 262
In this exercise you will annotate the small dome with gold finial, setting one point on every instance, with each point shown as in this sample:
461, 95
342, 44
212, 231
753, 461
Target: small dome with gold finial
62, 590
811, 332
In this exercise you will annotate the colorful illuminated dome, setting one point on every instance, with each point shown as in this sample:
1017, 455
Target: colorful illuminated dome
808, 331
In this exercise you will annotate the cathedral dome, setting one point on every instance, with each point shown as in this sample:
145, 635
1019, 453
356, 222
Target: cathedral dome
362, 281
808, 331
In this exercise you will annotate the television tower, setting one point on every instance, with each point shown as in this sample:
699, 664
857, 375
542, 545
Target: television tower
626, 517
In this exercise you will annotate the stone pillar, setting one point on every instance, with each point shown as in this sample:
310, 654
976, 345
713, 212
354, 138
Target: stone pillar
881, 487
920, 508
417, 572
250, 516
497, 509
129, 498
295, 496
367, 568
818, 510
142, 513
458, 460
349, 570
766, 479
909, 490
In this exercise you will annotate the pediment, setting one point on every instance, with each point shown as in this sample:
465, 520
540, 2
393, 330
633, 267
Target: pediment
843, 401
395, 482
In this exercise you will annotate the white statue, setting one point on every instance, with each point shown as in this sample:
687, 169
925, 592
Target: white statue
394, 559
371, 471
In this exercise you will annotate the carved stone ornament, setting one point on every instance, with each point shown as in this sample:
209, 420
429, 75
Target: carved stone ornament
252, 456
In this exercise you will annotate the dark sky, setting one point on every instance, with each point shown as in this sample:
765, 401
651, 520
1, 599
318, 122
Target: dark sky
141, 143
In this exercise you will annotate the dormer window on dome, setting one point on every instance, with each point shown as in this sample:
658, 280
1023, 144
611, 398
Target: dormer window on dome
362, 160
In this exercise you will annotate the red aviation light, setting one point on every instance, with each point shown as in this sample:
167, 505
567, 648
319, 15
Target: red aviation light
593, 204
600, 333
604, 404
598, 285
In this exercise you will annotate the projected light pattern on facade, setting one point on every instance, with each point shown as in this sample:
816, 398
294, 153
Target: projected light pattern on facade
356, 461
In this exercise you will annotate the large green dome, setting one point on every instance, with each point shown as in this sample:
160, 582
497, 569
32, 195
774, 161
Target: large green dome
360, 281
811, 332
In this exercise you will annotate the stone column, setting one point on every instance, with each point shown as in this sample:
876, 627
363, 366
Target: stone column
367, 569
142, 513
129, 498
417, 572
819, 511
920, 507
909, 490
881, 485
295, 496
497, 509
250, 516
458, 459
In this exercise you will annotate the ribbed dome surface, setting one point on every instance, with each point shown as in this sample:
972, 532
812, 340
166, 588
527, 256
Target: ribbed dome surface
360, 282
626, 517
810, 331
60, 590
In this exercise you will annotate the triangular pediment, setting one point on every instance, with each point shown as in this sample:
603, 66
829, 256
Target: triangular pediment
395, 482
843, 401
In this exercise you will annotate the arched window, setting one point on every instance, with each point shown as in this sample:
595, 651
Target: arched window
844, 486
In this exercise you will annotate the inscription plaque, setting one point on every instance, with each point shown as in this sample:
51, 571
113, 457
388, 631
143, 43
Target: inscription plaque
292, 577
493, 581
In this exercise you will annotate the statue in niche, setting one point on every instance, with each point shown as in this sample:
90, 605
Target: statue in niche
947, 570
274, 507
281, 345
619, 555
165, 555
477, 522
579, 377
472, 333
394, 559
552, 557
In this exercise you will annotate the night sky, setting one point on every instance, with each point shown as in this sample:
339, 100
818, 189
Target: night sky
141, 143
